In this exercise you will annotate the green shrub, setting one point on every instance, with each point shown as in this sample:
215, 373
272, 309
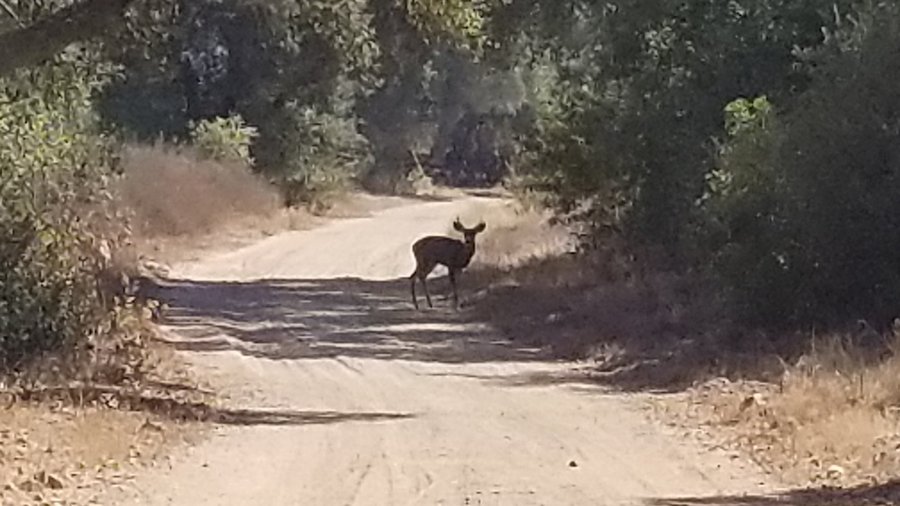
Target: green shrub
56, 213
314, 154
802, 212
841, 159
224, 139
744, 224
794, 206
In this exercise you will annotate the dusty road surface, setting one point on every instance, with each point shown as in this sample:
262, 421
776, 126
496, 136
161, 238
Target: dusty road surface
343, 395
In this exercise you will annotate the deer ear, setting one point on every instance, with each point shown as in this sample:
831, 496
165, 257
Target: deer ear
480, 228
458, 226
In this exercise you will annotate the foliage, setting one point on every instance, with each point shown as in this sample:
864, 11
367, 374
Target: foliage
277, 65
322, 153
459, 20
790, 200
642, 93
612, 109
224, 139
283, 81
836, 159
745, 228
799, 218
56, 214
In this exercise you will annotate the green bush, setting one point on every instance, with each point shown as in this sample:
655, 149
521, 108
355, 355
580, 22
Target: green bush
744, 229
841, 159
224, 139
313, 153
56, 212
802, 212
792, 203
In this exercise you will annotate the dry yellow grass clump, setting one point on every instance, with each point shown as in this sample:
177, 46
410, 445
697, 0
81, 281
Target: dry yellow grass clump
831, 420
63, 455
172, 191
182, 203
515, 236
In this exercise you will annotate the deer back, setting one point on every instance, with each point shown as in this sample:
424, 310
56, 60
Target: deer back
443, 250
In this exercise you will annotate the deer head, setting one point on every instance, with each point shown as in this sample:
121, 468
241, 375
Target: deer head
469, 233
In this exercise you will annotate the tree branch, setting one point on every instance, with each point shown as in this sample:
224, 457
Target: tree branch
11, 13
39, 42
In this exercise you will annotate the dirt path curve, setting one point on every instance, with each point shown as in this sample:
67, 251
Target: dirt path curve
348, 397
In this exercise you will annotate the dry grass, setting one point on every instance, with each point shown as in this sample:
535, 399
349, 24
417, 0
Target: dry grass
577, 305
182, 204
832, 419
173, 191
361, 205
241, 231
235, 233
514, 236
57, 455
68, 442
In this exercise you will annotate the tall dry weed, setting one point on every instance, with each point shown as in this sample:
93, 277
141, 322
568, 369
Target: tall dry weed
174, 192
515, 235
831, 418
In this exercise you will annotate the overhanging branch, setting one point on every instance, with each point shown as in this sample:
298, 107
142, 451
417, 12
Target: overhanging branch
39, 42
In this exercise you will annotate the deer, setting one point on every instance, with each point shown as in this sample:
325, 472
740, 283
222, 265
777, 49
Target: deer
453, 254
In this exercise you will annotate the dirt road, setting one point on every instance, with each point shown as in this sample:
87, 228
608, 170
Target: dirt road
343, 395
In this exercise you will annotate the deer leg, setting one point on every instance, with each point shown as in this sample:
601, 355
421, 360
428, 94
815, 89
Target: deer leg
425, 287
412, 289
453, 287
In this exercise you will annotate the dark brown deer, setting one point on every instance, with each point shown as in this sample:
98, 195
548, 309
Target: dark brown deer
451, 253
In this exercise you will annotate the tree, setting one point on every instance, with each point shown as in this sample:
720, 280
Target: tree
29, 45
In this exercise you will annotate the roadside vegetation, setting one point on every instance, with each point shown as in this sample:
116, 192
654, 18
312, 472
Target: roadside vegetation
728, 169
119, 140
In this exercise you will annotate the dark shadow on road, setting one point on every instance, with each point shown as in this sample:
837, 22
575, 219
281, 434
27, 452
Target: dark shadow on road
863, 495
182, 403
178, 409
270, 417
662, 336
579, 379
308, 319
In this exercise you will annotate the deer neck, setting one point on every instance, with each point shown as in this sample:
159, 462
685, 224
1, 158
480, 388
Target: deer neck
467, 253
